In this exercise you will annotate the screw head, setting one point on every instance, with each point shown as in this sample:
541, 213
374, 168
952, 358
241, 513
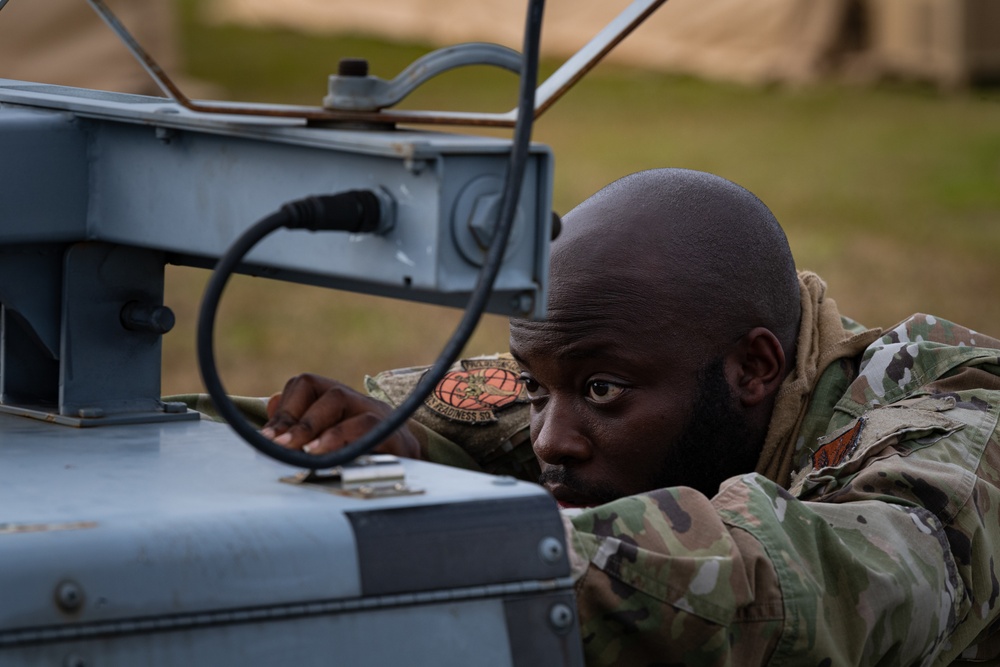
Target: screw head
69, 596
561, 617
550, 549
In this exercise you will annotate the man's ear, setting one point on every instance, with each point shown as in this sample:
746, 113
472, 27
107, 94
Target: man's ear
756, 367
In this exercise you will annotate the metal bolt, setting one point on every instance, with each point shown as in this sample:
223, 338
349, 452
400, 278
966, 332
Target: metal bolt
550, 549
90, 413
174, 407
150, 318
483, 219
69, 596
561, 617
352, 67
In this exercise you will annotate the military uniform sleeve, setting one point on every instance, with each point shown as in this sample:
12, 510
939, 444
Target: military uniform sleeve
253, 408
883, 555
756, 577
476, 417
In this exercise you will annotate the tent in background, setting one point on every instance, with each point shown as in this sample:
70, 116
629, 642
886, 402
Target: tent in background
951, 42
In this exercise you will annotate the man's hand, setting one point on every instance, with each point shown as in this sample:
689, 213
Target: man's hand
318, 415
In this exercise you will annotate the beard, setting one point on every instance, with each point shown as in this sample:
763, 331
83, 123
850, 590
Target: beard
715, 444
717, 441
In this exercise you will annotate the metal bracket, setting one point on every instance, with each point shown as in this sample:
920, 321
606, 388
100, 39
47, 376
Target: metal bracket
352, 88
372, 476
81, 352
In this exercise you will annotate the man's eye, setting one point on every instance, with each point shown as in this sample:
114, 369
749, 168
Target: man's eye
602, 391
530, 384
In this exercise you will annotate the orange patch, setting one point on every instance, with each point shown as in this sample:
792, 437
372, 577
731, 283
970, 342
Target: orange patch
476, 393
841, 447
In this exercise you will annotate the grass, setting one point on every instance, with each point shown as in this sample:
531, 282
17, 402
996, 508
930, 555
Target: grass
892, 193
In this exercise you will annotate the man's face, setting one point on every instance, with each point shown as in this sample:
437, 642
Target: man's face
618, 404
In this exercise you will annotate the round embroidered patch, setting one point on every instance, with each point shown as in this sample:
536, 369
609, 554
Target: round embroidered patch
476, 393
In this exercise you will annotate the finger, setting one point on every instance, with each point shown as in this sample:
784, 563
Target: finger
337, 404
272, 406
299, 394
399, 443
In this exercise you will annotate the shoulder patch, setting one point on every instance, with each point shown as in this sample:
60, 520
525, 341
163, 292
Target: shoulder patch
840, 447
476, 392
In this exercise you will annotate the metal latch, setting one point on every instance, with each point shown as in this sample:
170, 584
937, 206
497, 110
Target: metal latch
372, 476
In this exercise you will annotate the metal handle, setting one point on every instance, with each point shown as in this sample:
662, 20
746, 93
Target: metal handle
370, 93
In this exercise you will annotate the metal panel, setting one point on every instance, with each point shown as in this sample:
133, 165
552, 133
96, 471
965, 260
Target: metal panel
421, 548
448, 634
106, 367
43, 175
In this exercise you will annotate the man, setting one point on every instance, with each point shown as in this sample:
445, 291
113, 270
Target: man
754, 478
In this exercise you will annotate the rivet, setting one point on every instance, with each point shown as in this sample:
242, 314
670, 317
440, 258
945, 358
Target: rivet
550, 549
69, 596
561, 617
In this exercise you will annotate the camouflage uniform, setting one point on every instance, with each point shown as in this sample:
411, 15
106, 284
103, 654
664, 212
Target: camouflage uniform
880, 552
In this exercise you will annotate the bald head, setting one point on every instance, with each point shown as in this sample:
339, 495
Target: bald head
691, 242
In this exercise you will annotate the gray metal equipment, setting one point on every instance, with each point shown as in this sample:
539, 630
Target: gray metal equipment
133, 532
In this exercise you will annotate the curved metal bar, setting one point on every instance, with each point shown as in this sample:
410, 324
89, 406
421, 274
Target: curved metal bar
370, 93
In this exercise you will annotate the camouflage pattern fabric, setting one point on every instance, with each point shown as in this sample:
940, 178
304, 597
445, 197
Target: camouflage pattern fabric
882, 552
479, 404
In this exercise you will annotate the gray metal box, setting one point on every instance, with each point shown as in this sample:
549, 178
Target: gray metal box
176, 544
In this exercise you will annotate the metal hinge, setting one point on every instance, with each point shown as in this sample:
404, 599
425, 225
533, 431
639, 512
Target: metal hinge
372, 476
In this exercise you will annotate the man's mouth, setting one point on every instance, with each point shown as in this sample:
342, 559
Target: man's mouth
566, 497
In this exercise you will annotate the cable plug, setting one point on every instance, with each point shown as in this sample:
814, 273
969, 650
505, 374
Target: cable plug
354, 211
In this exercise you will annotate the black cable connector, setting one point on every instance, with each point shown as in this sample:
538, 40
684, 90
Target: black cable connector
354, 211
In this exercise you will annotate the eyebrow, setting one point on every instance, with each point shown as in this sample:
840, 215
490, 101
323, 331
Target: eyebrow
577, 352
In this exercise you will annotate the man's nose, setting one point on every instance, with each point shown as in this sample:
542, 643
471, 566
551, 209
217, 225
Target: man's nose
557, 433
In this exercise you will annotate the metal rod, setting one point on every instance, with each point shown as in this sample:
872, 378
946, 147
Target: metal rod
146, 60
593, 52
546, 94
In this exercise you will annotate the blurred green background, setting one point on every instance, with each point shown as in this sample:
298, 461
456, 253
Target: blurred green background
890, 192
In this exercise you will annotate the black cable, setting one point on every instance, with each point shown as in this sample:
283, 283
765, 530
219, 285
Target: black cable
295, 212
